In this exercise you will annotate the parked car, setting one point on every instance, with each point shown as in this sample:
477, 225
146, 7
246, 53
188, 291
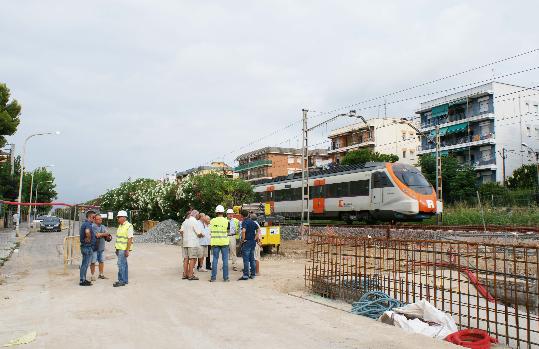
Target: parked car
50, 223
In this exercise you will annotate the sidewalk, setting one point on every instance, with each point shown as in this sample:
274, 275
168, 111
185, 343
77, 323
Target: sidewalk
9, 242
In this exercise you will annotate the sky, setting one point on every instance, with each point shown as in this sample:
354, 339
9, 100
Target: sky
146, 88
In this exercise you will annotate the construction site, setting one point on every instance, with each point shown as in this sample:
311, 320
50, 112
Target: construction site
307, 294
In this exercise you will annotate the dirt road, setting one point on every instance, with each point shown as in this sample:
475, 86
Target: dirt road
159, 310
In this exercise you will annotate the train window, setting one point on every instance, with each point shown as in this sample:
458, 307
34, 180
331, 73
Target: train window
341, 189
296, 194
330, 191
278, 195
380, 180
258, 197
286, 194
413, 178
359, 188
316, 192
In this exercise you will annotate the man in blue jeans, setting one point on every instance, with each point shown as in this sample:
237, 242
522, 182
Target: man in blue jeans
87, 243
249, 238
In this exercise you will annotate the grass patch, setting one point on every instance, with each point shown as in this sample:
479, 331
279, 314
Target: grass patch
463, 214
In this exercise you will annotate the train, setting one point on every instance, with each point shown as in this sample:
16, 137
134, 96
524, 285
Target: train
371, 192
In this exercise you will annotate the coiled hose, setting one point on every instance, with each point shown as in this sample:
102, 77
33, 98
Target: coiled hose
374, 303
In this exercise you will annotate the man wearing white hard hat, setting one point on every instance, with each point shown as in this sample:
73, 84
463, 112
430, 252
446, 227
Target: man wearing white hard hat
124, 244
233, 234
219, 242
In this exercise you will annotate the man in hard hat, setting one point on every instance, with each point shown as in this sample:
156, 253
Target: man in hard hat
219, 227
233, 233
124, 243
249, 239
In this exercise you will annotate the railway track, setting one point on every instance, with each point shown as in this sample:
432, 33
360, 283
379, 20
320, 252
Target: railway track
460, 228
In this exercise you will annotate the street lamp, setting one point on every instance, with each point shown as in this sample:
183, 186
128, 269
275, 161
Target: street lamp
31, 190
536, 160
22, 173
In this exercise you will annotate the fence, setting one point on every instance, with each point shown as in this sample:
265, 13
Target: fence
482, 285
71, 249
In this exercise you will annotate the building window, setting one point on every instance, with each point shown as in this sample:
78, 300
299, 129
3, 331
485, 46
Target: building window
404, 154
290, 159
411, 154
483, 105
537, 133
486, 178
403, 135
528, 131
536, 108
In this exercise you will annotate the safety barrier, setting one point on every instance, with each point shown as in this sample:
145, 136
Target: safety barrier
71, 249
483, 285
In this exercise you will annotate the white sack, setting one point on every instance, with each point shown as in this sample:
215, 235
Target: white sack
445, 325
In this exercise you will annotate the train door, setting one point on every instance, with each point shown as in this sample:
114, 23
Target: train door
319, 204
377, 190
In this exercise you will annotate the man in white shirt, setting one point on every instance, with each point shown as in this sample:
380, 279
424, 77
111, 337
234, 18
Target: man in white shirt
191, 244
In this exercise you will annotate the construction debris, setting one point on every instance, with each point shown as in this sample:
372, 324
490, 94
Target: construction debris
165, 232
421, 317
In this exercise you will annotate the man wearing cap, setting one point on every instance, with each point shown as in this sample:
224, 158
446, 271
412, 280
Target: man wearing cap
233, 234
124, 243
219, 227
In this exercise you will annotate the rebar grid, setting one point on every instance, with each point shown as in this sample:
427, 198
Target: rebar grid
491, 286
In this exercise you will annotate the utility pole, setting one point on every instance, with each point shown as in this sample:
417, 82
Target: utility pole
439, 218
504, 156
305, 217
12, 159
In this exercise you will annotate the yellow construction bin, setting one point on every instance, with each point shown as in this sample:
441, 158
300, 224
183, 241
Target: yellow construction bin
271, 237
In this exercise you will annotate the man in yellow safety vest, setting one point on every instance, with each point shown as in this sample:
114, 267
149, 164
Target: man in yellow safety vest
124, 244
219, 242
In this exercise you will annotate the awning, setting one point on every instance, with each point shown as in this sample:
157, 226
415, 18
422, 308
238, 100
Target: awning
457, 128
458, 101
440, 110
443, 131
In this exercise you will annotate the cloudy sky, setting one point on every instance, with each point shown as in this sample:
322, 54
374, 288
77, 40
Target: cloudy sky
144, 88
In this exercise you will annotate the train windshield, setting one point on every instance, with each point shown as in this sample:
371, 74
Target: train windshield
413, 178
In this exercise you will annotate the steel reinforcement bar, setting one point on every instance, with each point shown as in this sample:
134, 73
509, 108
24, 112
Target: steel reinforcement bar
491, 286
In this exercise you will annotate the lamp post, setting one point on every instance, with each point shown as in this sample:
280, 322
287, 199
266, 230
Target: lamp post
22, 173
31, 190
536, 160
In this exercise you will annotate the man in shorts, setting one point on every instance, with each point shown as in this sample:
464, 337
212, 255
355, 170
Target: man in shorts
191, 244
99, 249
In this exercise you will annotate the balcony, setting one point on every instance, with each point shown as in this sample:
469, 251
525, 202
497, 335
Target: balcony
338, 149
483, 164
252, 164
455, 120
459, 142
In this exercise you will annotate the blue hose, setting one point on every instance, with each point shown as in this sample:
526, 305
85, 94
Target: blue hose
374, 303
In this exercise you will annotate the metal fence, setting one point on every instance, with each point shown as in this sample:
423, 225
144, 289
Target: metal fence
491, 286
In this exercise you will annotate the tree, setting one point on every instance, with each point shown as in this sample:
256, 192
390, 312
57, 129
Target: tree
206, 192
9, 184
524, 177
9, 114
153, 199
458, 181
362, 156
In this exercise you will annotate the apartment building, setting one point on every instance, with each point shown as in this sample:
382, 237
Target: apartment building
271, 162
480, 124
382, 135
214, 167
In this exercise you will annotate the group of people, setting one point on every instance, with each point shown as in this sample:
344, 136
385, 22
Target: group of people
93, 237
203, 238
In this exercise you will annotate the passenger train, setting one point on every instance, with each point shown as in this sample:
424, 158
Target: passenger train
372, 192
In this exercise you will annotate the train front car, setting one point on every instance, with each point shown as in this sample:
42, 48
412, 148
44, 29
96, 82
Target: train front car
418, 192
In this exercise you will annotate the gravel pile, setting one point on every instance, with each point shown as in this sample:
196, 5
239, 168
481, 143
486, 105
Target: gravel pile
164, 232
